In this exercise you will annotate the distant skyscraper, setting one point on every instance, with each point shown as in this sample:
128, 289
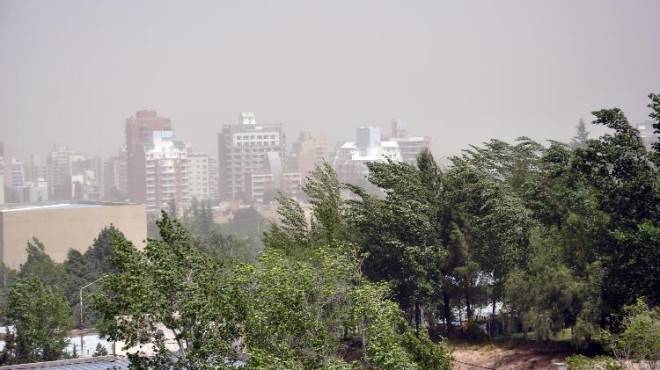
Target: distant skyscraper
17, 173
139, 133
166, 172
351, 157
115, 179
58, 171
87, 177
5, 153
410, 146
646, 133
243, 150
306, 152
36, 170
203, 176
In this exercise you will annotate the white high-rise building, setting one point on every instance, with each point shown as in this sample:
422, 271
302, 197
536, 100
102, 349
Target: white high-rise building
351, 157
166, 163
243, 150
202, 176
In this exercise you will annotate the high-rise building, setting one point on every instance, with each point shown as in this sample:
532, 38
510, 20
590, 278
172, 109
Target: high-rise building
166, 172
263, 185
36, 169
646, 133
410, 146
202, 176
139, 133
115, 179
243, 149
306, 152
5, 168
351, 157
17, 173
58, 173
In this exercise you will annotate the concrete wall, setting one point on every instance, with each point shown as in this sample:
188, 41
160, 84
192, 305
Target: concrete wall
62, 228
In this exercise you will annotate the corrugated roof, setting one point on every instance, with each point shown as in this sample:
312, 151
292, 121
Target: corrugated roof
94, 363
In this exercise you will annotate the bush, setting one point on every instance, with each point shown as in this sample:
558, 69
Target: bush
579, 362
640, 340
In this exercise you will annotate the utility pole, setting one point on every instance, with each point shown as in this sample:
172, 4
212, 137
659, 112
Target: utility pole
81, 313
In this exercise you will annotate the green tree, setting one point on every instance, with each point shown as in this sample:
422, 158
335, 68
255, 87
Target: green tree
550, 296
227, 247
40, 265
620, 170
42, 321
100, 351
581, 136
399, 234
492, 219
7, 277
327, 225
170, 291
640, 341
655, 116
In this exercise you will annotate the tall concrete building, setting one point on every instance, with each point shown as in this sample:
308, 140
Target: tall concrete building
306, 152
166, 172
351, 157
5, 167
58, 173
139, 133
243, 150
17, 173
203, 177
36, 169
410, 146
115, 179
646, 133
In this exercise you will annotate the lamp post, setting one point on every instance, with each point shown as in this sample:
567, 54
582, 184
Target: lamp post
81, 313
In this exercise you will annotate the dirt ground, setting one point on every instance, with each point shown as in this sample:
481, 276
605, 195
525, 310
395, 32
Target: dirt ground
523, 357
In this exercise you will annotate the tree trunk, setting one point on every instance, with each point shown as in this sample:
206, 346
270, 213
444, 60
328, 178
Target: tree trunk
493, 323
417, 317
468, 306
447, 311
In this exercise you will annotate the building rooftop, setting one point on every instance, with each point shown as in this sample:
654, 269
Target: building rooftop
93, 363
13, 207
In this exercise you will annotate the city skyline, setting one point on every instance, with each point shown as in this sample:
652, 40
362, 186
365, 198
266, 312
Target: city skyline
460, 72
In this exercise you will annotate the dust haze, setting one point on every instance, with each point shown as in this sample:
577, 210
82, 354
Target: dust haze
71, 72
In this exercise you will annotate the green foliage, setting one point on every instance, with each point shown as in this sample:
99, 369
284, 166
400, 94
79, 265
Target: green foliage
100, 351
655, 116
170, 291
640, 341
7, 278
198, 219
550, 296
581, 136
42, 321
327, 225
620, 170
303, 312
580, 362
399, 235
323, 190
40, 265
227, 247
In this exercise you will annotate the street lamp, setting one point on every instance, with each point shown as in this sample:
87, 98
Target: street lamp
81, 313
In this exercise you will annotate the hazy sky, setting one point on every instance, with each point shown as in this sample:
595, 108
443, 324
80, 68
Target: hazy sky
71, 72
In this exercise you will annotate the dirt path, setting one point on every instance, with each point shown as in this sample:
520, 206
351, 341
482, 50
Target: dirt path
525, 357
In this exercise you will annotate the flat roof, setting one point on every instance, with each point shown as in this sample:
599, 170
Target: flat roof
16, 207
93, 363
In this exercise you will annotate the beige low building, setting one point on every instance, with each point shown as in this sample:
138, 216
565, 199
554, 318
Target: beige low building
64, 226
